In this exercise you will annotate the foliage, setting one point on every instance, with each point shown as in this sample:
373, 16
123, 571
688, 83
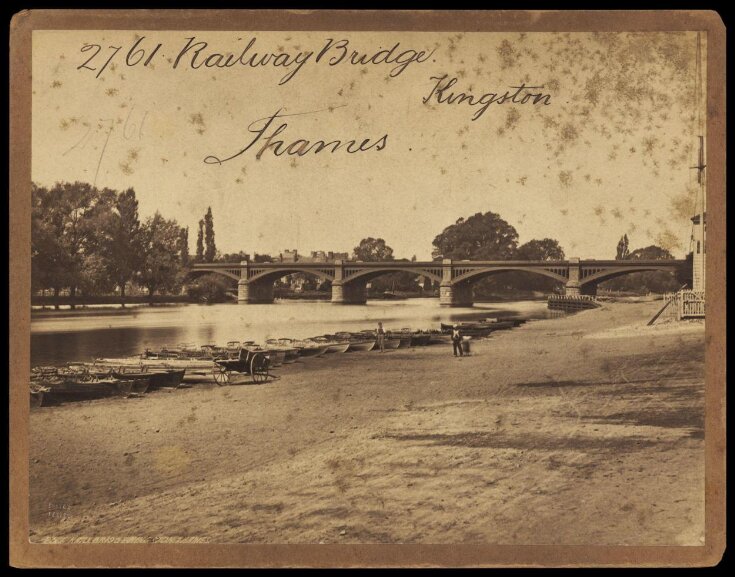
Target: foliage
544, 249
184, 246
200, 242
480, 237
622, 250
262, 258
210, 250
160, 246
211, 288
65, 251
372, 249
91, 241
117, 235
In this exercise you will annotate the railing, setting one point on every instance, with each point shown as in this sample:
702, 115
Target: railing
572, 302
689, 304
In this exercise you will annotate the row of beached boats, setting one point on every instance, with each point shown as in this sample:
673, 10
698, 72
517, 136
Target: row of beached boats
171, 367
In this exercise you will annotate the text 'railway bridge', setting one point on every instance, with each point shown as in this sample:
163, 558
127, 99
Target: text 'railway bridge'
349, 279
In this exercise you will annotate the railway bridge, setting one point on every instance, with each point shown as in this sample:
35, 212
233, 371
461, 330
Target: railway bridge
349, 279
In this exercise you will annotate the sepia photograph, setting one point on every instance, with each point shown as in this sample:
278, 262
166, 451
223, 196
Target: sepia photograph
394, 283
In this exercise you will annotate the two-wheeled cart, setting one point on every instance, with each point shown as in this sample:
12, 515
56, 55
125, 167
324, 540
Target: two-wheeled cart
255, 363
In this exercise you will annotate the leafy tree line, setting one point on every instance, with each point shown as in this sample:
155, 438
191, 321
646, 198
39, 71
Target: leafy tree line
92, 241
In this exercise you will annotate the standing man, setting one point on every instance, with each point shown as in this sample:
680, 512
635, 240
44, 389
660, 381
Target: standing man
457, 341
381, 337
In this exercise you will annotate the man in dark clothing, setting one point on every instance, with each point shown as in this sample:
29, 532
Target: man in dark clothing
457, 341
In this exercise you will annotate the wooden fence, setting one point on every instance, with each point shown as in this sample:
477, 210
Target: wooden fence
688, 304
572, 303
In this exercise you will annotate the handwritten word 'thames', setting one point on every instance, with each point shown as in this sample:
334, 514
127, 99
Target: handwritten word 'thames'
197, 54
522, 95
265, 138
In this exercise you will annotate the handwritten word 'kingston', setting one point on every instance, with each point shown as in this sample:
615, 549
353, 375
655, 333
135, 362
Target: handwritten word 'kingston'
197, 54
522, 95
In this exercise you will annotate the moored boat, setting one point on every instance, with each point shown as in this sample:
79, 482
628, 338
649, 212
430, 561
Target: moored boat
159, 375
73, 384
362, 345
392, 342
338, 347
37, 392
420, 339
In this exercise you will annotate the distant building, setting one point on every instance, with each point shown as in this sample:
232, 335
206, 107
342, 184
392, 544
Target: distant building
289, 256
315, 256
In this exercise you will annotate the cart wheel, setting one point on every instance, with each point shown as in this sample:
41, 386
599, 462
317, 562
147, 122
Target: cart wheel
221, 375
259, 368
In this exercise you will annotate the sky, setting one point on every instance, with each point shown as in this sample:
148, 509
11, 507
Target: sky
609, 154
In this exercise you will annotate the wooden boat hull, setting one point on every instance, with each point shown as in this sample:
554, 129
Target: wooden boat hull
188, 365
404, 342
312, 352
36, 398
292, 355
276, 356
160, 376
392, 343
361, 346
338, 348
69, 389
440, 339
420, 340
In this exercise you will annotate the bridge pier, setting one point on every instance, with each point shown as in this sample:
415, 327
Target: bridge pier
458, 295
354, 293
253, 293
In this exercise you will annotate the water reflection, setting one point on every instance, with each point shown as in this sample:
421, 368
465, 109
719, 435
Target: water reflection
62, 336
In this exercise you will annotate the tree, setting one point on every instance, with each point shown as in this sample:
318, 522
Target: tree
372, 249
63, 221
262, 258
184, 246
46, 248
545, 249
210, 250
622, 251
200, 242
117, 235
209, 288
161, 263
480, 237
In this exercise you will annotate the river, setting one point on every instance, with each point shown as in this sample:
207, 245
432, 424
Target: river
81, 335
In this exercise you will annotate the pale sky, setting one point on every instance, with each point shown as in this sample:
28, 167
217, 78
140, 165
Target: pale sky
610, 154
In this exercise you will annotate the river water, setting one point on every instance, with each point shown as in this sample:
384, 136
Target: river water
81, 335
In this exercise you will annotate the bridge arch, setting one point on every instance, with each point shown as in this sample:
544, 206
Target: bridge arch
611, 273
478, 274
273, 275
367, 275
232, 274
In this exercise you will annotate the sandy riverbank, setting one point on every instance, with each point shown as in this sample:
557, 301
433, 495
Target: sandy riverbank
542, 436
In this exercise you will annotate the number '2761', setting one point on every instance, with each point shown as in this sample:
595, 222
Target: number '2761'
135, 56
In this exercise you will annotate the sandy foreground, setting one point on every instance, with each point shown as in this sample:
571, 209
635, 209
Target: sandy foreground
547, 434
